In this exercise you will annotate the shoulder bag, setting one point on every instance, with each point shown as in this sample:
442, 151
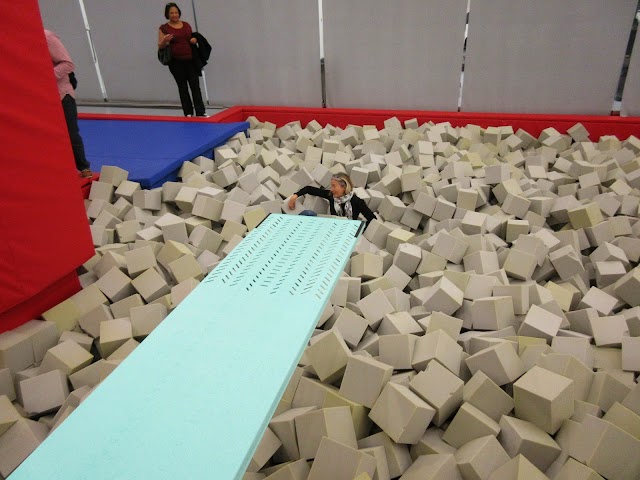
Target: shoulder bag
164, 55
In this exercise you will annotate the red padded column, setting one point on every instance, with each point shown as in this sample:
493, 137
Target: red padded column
43, 227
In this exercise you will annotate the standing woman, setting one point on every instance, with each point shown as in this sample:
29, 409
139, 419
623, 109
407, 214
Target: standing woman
62, 67
176, 34
342, 201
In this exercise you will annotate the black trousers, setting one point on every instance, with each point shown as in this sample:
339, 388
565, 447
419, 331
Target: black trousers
71, 116
186, 76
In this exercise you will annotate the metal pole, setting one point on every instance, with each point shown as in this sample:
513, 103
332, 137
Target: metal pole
94, 54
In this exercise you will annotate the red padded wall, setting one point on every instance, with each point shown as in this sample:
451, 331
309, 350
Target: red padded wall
43, 227
341, 117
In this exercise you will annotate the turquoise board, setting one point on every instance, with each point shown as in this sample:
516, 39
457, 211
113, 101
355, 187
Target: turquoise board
193, 400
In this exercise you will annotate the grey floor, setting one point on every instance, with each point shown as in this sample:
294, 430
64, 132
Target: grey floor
140, 110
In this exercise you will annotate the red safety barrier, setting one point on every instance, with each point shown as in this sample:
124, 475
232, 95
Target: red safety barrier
341, 117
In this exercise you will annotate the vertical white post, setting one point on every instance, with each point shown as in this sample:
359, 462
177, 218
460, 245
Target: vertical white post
322, 63
464, 53
93, 50
321, 29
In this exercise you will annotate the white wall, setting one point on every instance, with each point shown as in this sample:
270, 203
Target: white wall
522, 56
545, 56
405, 54
264, 53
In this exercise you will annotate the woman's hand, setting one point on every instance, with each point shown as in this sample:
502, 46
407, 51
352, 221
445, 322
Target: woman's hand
292, 201
166, 40
193, 41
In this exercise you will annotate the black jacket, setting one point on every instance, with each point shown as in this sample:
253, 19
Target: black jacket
201, 51
357, 204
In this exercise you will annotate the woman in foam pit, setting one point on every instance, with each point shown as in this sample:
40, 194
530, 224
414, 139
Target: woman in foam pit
342, 201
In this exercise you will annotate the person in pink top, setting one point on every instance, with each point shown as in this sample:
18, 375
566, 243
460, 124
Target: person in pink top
62, 67
176, 34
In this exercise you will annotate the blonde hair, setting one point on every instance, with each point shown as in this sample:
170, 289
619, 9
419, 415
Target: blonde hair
345, 180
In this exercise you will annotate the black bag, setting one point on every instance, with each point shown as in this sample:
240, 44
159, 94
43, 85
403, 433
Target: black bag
164, 55
73, 80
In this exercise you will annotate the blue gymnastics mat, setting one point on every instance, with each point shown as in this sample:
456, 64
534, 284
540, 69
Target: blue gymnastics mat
152, 151
194, 399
